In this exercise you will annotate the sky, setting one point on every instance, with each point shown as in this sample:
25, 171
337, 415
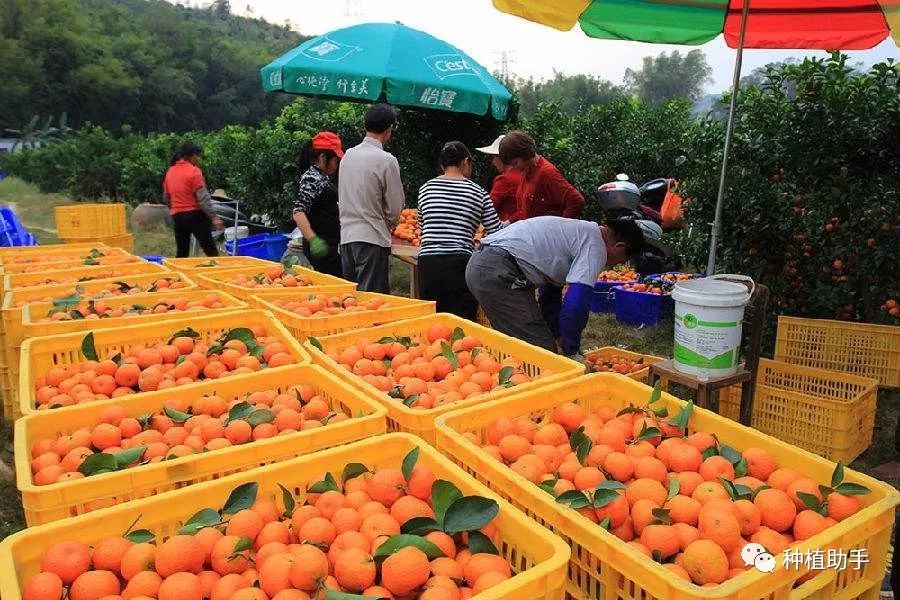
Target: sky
483, 32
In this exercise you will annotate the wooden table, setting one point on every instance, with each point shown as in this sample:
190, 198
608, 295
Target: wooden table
665, 372
407, 253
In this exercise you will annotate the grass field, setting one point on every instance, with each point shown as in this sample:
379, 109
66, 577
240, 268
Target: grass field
36, 212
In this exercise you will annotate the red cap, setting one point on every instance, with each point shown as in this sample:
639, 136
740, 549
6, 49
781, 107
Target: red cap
328, 141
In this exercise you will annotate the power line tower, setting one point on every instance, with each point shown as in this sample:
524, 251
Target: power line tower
352, 8
504, 59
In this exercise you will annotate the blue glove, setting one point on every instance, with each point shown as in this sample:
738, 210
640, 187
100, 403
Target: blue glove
573, 317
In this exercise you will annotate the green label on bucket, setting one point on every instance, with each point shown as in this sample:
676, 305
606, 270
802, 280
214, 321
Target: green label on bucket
690, 321
686, 356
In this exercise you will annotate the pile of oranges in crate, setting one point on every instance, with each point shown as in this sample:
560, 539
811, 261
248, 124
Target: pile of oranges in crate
273, 277
343, 538
617, 275
648, 288
409, 229
184, 360
98, 309
116, 288
324, 306
684, 500
614, 364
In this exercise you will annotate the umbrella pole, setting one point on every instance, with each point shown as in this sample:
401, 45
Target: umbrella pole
729, 133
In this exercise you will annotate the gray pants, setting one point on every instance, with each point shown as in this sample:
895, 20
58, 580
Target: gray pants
366, 265
507, 298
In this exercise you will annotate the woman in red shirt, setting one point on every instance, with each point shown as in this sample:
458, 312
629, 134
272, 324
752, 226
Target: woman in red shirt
544, 191
505, 185
189, 202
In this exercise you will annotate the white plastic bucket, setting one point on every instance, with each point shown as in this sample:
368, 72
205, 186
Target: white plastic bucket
708, 317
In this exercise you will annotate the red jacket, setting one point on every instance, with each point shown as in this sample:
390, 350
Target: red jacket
545, 192
503, 194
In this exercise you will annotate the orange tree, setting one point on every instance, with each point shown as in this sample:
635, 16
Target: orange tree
813, 199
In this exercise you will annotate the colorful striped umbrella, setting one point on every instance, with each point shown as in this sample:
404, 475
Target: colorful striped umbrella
807, 24
774, 24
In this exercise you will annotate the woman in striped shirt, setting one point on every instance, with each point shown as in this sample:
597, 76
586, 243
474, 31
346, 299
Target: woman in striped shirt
451, 207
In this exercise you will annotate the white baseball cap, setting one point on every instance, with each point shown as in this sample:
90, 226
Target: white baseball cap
494, 148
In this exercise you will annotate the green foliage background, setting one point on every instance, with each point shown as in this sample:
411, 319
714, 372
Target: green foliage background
816, 145
148, 63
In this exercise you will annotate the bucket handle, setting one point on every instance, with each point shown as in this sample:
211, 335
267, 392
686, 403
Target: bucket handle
746, 280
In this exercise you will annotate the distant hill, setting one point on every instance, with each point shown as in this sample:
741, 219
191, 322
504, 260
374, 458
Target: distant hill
144, 63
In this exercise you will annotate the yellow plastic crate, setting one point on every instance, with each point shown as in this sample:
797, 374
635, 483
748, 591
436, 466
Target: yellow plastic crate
41, 353
52, 252
305, 327
46, 503
612, 352
33, 327
15, 300
88, 221
79, 274
605, 568
125, 241
862, 349
207, 265
421, 421
321, 283
828, 413
71, 263
538, 558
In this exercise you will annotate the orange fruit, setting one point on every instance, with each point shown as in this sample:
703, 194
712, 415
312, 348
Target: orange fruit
683, 509
405, 570
709, 490
144, 583
137, 558
223, 558
108, 553
705, 562
781, 478
409, 507
777, 509
840, 506
386, 486
179, 553
488, 580
760, 463
481, 563
275, 573
355, 570
43, 586
684, 457
94, 585
420, 482
67, 560
317, 530
244, 523
662, 539
807, 524
721, 527
309, 569
648, 489
619, 466
716, 466
748, 516
181, 586
804, 485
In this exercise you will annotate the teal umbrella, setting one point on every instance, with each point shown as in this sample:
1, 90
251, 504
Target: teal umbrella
388, 62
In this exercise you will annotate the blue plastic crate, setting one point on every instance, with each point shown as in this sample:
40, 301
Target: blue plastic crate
154, 259
641, 309
264, 245
604, 300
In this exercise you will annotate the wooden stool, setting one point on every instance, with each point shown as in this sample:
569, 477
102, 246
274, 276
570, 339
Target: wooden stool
665, 372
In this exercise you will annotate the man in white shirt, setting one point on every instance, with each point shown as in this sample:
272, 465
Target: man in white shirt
371, 198
512, 263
